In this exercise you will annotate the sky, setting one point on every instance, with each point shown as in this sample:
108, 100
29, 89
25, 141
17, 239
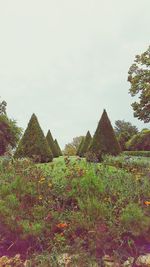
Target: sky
67, 60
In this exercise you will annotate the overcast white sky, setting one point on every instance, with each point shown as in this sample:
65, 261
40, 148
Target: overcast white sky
67, 60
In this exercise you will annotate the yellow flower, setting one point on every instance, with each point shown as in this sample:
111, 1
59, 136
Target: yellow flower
40, 197
49, 184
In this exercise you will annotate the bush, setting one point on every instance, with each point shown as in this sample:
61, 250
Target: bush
33, 143
80, 146
58, 147
85, 146
53, 147
141, 141
104, 140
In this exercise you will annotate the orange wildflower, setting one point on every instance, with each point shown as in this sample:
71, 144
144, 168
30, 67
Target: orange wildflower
147, 203
62, 225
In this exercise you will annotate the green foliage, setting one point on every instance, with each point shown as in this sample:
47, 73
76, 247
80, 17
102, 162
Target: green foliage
3, 106
33, 143
76, 141
10, 133
104, 140
139, 74
58, 148
52, 145
69, 150
85, 145
137, 153
129, 163
124, 131
141, 141
71, 206
122, 126
134, 219
80, 145
72, 148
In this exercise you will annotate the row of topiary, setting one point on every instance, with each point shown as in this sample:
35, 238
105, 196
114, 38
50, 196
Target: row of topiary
35, 145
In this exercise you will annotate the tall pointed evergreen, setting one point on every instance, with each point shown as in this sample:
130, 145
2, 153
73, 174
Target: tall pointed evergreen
104, 140
58, 147
33, 143
85, 145
80, 146
52, 145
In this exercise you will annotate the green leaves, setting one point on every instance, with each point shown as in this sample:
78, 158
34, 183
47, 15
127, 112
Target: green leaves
33, 143
139, 78
104, 140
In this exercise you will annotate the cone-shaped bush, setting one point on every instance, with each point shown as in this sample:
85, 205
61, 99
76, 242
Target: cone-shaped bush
85, 145
104, 140
52, 145
58, 148
33, 143
80, 146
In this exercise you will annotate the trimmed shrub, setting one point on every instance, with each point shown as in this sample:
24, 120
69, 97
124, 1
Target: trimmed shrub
33, 143
58, 147
140, 141
80, 146
85, 145
104, 140
52, 145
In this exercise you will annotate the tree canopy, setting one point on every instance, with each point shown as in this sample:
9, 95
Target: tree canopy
139, 78
140, 141
124, 131
10, 133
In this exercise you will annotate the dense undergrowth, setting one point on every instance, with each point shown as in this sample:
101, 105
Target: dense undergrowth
70, 206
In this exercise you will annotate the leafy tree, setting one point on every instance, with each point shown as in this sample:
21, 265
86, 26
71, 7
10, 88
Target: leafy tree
80, 146
140, 141
69, 150
52, 145
10, 133
76, 141
33, 143
139, 78
58, 148
72, 148
104, 140
85, 145
124, 131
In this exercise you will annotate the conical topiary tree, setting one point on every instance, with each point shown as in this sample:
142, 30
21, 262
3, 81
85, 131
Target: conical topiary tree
33, 143
85, 145
58, 147
80, 146
104, 140
52, 145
